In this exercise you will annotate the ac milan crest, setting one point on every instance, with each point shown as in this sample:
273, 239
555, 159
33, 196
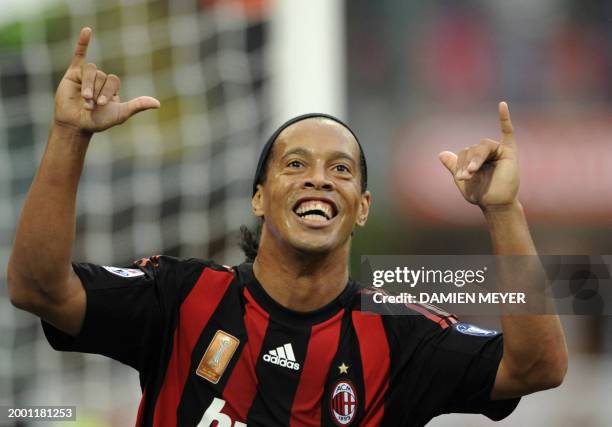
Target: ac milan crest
343, 403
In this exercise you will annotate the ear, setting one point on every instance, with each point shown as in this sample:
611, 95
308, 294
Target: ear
257, 202
364, 209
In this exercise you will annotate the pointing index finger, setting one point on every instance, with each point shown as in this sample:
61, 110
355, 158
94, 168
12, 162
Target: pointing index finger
505, 123
81, 49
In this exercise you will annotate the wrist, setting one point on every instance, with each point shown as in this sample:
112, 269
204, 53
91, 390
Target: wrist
70, 131
503, 214
68, 140
512, 207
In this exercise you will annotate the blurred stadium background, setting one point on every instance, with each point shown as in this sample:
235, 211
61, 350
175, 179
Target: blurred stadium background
412, 78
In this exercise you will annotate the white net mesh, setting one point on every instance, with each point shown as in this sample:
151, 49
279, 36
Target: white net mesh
175, 181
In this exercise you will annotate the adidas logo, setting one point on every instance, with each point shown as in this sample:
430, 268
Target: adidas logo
282, 356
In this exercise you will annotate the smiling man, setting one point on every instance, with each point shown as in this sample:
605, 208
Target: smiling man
310, 191
283, 340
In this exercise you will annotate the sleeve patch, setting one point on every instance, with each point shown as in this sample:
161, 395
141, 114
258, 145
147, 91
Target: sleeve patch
124, 272
468, 329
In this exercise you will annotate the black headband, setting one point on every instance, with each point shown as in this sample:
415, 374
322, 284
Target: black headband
267, 149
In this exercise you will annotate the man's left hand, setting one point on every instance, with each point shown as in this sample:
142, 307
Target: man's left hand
487, 173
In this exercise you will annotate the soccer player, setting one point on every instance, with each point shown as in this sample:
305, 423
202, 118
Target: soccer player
283, 340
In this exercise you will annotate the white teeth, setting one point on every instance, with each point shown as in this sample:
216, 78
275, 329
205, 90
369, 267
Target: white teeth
310, 205
317, 218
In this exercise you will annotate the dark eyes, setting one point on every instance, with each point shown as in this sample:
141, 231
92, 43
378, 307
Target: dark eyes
296, 164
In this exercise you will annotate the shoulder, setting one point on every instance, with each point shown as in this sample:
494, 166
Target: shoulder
157, 262
182, 276
399, 311
164, 267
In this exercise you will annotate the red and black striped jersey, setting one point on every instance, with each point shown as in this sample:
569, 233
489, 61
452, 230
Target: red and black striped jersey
212, 348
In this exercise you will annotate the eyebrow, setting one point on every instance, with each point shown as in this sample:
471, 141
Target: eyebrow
306, 153
298, 151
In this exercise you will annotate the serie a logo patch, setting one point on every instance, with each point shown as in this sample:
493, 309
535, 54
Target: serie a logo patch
469, 329
217, 356
343, 403
123, 272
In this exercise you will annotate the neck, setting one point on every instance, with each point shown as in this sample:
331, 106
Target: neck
301, 281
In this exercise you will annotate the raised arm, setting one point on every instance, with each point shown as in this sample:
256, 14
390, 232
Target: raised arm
487, 174
40, 275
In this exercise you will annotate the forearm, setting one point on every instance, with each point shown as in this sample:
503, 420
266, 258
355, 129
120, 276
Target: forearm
40, 260
534, 344
509, 230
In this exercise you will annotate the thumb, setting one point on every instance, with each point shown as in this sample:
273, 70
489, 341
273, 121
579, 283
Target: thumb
449, 160
136, 105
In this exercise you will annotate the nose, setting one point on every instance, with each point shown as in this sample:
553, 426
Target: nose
318, 180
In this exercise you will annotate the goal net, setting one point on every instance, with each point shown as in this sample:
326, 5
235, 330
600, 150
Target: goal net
175, 181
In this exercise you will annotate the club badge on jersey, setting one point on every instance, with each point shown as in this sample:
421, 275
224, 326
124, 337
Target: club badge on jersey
343, 402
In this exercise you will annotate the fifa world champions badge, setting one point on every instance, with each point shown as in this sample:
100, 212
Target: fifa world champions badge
217, 356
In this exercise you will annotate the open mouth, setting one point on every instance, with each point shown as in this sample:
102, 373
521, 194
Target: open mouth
315, 210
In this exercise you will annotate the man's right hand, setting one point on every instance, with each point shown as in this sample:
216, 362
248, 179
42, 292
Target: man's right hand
87, 99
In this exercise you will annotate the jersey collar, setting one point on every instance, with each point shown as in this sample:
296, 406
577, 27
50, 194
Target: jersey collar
292, 317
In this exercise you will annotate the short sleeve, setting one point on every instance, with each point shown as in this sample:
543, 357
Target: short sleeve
126, 310
453, 369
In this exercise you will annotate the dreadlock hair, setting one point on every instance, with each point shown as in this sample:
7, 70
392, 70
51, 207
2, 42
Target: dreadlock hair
249, 242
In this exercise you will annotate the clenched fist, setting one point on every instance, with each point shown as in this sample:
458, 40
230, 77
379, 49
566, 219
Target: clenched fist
487, 173
87, 99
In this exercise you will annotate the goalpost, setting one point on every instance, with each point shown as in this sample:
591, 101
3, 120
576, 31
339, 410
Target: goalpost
307, 56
